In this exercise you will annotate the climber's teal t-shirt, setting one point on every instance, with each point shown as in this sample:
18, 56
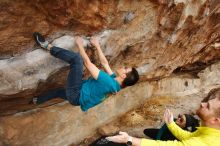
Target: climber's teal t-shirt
94, 91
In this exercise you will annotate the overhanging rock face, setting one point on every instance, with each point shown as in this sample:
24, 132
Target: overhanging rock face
158, 37
63, 124
161, 38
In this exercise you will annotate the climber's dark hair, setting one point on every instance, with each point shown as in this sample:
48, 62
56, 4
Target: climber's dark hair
131, 78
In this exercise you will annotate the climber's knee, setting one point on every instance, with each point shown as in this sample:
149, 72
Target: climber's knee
76, 60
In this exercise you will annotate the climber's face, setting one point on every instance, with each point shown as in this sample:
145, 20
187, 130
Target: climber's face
123, 71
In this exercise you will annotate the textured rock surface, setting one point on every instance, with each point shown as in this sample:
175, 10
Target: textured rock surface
108, 130
63, 124
159, 37
162, 38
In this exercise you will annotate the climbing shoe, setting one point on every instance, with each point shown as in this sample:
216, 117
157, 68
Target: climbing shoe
39, 39
33, 101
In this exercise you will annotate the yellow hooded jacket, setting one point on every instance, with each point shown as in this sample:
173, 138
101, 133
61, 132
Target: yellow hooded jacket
203, 136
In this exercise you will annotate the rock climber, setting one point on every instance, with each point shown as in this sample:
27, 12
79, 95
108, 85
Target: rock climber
86, 93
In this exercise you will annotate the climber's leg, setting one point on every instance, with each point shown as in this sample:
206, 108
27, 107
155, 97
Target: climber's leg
74, 83
74, 80
60, 92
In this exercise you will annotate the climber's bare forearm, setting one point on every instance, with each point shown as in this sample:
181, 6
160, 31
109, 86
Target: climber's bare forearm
102, 57
87, 62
